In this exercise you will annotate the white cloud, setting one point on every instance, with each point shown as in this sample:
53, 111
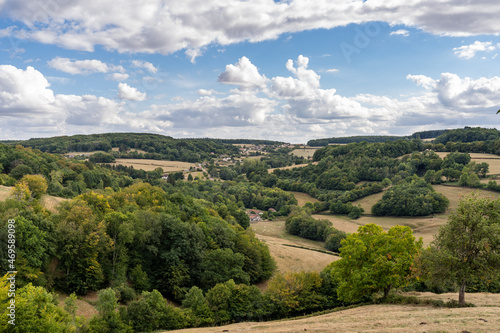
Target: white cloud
332, 70
117, 76
129, 93
146, 65
169, 26
82, 66
469, 51
244, 74
29, 107
400, 32
294, 108
24, 92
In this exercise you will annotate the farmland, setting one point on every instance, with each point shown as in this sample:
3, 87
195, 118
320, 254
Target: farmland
291, 258
150, 165
383, 318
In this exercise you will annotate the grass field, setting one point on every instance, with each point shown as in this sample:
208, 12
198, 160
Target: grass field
288, 258
302, 198
4, 192
51, 203
150, 165
304, 152
291, 167
385, 318
425, 227
492, 160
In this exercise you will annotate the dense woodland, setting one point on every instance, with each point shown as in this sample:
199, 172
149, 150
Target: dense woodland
126, 232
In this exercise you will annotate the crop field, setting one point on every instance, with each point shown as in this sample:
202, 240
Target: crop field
386, 318
150, 165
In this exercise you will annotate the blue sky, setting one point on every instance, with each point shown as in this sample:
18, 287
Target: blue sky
286, 70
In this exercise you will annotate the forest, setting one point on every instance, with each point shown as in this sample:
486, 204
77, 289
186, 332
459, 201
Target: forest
139, 239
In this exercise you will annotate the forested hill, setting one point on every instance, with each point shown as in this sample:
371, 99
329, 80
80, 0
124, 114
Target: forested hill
375, 138
155, 146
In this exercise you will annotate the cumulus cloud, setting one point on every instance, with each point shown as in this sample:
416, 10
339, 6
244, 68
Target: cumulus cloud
28, 105
243, 74
169, 26
146, 65
469, 51
129, 93
82, 66
24, 92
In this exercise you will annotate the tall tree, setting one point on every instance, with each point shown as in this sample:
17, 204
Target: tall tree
373, 261
467, 248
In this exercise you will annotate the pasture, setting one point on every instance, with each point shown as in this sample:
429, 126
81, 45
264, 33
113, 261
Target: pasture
422, 226
291, 258
492, 160
304, 152
384, 318
302, 198
4, 192
150, 165
291, 167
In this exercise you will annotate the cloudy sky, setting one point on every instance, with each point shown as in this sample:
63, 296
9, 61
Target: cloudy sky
289, 70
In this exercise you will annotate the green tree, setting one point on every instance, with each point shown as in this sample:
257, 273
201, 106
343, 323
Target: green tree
467, 248
35, 311
373, 261
222, 265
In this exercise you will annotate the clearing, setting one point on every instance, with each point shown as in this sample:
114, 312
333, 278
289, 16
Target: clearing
291, 258
491, 159
302, 198
150, 165
422, 226
304, 152
49, 202
386, 318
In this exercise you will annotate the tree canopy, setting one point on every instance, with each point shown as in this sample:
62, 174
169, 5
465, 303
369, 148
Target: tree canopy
467, 248
374, 261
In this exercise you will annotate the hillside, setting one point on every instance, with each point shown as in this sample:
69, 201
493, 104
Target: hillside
385, 318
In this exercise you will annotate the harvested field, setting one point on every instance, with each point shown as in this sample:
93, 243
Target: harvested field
150, 165
378, 318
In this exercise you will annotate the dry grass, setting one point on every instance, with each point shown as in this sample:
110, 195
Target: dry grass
51, 203
492, 160
4, 192
425, 227
83, 308
288, 258
291, 167
304, 152
378, 318
302, 198
150, 165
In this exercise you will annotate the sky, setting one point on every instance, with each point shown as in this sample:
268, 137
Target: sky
290, 70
